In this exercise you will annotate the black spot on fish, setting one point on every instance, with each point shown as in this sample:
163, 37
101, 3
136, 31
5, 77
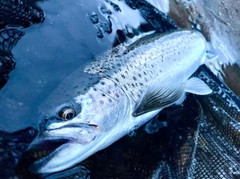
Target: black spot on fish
95, 89
152, 66
133, 85
146, 79
117, 95
125, 87
109, 100
115, 6
102, 83
144, 73
103, 95
134, 78
122, 76
140, 84
139, 75
116, 80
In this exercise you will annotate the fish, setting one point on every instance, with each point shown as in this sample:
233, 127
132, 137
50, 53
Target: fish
136, 81
198, 123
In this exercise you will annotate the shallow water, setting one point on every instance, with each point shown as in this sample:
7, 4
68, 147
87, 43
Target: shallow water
71, 35
49, 52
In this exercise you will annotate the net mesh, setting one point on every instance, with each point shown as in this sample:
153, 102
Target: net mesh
18, 13
200, 141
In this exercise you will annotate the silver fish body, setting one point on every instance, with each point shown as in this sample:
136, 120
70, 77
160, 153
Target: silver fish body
136, 82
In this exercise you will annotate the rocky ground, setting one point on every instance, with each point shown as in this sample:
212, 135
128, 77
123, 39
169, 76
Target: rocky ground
219, 22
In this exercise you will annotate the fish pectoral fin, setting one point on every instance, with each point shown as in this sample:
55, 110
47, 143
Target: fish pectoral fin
159, 95
197, 86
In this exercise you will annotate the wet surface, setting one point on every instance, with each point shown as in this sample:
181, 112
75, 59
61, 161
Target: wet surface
48, 53
45, 56
218, 21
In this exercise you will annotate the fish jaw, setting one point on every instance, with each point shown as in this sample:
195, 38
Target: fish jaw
97, 125
72, 152
73, 141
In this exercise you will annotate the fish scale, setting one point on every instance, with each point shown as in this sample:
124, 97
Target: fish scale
140, 63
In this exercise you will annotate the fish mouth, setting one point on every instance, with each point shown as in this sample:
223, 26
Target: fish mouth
65, 145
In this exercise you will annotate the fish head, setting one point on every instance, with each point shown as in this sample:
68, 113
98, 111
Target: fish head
71, 124
66, 134
75, 130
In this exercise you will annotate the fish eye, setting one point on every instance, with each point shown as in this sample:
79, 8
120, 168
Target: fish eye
67, 113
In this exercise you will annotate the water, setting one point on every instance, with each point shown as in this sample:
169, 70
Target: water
49, 52
72, 34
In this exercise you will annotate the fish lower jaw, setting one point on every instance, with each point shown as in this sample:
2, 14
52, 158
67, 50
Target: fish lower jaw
72, 153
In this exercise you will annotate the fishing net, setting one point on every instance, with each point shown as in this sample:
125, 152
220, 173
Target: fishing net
8, 39
18, 13
201, 140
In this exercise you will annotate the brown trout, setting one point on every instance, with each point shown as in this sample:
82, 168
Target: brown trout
136, 82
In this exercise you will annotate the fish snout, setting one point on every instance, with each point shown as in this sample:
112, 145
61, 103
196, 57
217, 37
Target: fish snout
67, 146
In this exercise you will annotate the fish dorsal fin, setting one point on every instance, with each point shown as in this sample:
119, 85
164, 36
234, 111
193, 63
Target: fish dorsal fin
159, 95
197, 86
